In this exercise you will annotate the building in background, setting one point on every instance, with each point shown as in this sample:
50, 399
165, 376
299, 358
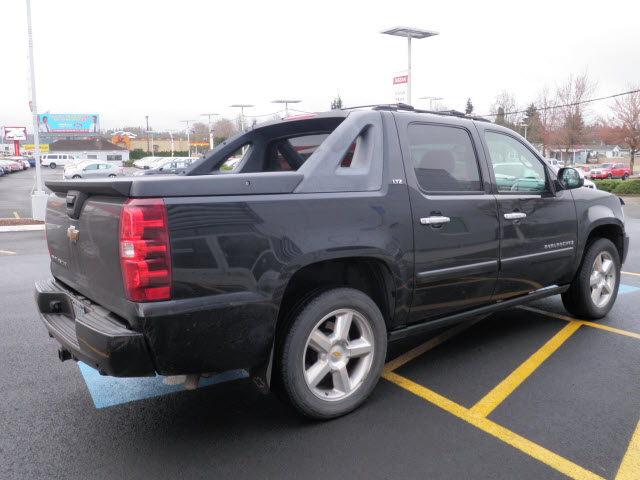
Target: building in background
92, 149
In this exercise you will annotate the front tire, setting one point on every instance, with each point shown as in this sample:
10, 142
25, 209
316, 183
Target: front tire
609, 176
333, 353
595, 287
625, 176
75, 176
52, 165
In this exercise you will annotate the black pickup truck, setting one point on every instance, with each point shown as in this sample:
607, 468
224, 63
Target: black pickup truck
332, 235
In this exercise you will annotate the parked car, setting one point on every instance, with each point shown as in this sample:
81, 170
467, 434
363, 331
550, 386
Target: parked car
17, 165
52, 160
94, 170
20, 159
611, 170
141, 162
172, 167
302, 269
8, 166
584, 168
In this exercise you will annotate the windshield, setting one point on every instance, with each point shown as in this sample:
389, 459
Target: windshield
605, 165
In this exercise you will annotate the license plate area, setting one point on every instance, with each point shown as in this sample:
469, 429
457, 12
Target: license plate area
79, 310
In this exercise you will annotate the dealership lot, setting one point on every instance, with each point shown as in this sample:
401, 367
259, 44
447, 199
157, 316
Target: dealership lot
526, 393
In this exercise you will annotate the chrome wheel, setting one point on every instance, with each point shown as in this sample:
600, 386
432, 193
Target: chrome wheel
338, 355
602, 279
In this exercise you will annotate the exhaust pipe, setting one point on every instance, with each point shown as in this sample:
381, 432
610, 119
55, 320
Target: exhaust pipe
64, 354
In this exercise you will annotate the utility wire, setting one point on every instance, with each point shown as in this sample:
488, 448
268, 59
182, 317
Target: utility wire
562, 106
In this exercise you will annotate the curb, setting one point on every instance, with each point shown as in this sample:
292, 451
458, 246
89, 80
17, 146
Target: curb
22, 228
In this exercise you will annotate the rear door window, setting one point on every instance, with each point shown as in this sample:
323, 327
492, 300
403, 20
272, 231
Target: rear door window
444, 159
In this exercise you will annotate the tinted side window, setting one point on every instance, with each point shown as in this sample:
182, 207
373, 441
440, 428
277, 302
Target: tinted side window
516, 169
443, 158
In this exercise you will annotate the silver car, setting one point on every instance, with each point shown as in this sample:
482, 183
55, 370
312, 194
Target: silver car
93, 170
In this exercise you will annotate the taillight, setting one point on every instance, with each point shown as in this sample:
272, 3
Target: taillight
144, 250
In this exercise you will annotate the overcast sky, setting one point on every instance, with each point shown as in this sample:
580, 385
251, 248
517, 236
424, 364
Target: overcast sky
174, 60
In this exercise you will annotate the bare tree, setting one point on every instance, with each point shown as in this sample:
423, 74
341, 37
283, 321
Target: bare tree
571, 130
623, 128
505, 109
547, 118
200, 132
224, 128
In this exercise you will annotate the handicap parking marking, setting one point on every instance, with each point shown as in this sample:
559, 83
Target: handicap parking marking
108, 391
626, 289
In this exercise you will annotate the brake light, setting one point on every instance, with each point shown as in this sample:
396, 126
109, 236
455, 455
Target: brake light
144, 250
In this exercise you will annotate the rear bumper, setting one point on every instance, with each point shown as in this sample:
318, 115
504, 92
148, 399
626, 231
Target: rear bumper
91, 334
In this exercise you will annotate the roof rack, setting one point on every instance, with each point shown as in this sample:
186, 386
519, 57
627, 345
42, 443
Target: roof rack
395, 107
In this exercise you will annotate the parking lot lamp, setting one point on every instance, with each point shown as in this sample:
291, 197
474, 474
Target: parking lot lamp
188, 136
431, 99
409, 33
210, 129
286, 104
39, 197
242, 106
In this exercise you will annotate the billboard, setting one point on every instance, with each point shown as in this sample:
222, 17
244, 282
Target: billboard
15, 133
69, 123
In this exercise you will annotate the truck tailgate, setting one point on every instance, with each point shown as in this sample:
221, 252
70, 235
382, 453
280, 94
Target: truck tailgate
83, 244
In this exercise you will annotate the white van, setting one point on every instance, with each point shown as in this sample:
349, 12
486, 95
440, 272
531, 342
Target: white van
52, 160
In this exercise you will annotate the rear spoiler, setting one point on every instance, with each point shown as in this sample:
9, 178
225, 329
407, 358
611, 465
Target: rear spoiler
112, 187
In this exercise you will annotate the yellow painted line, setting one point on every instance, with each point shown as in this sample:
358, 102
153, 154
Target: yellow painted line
631, 273
428, 345
584, 322
496, 396
15, 214
630, 466
7, 251
532, 449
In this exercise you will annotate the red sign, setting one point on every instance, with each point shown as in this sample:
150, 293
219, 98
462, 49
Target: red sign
31, 106
402, 79
15, 134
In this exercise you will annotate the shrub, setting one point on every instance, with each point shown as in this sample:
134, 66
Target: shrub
607, 185
630, 187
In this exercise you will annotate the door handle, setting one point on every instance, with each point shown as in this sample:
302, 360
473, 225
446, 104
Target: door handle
515, 215
436, 220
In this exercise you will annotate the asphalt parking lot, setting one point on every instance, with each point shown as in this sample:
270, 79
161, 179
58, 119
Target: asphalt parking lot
528, 393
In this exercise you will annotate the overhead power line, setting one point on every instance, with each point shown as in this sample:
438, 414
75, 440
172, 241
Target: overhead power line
565, 105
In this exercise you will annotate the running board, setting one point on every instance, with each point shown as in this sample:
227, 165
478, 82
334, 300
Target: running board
458, 317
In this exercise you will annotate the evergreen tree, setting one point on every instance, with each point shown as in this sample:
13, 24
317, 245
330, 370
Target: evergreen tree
469, 109
336, 104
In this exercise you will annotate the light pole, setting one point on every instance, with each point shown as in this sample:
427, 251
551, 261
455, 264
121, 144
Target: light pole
171, 135
525, 129
188, 136
286, 104
152, 149
431, 99
409, 33
147, 117
39, 197
242, 106
210, 129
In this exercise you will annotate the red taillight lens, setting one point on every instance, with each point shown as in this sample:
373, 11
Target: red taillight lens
144, 250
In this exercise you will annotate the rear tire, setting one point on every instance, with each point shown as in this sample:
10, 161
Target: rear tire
52, 165
332, 355
76, 176
625, 176
112, 176
595, 287
609, 177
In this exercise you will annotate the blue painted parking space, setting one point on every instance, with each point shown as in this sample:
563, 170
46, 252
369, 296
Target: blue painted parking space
626, 289
109, 391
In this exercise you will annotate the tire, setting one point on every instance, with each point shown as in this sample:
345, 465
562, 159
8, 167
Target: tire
52, 165
344, 379
593, 302
625, 176
609, 177
112, 176
76, 176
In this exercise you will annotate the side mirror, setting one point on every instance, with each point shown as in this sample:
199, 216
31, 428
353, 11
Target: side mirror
570, 178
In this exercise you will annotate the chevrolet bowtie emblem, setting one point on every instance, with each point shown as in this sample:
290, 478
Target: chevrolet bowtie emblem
72, 233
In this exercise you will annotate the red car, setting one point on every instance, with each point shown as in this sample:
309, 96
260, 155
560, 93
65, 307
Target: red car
611, 170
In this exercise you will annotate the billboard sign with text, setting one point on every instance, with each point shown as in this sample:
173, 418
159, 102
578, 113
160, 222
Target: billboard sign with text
69, 123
